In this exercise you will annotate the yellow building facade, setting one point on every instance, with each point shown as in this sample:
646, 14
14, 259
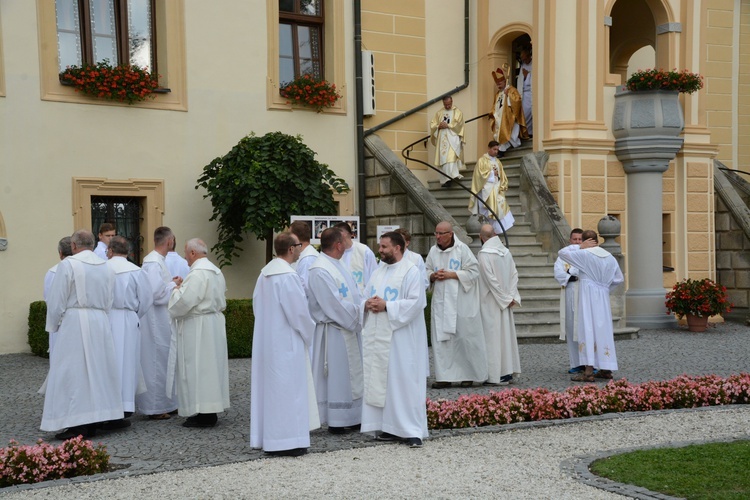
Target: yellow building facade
223, 63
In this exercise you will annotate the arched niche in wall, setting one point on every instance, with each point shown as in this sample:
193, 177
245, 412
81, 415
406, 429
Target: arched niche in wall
633, 25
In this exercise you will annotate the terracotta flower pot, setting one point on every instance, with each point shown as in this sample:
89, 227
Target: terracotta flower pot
696, 323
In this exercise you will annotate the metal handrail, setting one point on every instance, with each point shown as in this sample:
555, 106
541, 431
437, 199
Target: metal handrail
405, 154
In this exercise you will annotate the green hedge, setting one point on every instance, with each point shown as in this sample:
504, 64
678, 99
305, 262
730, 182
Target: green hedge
239, 317
38, 336
240, 323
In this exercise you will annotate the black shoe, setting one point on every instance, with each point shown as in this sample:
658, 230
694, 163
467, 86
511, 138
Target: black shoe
337, 430
447, 184
85, 431
385, 436
113, 425
413, 442
500, 154
203, 420
294, 452
506, 379
355, 427
128, 414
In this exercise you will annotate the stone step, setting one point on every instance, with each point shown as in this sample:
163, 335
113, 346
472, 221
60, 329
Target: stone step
530, 258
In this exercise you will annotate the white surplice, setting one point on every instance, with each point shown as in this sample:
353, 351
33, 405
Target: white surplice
202, 368
498, 287
563, 273
418, 261
334, 300
457, 336
306, 259
48, 277
395, 353
361, 262
101, 250
83, 385
283, 409
177, 265
156, 336
132, 297
598, 273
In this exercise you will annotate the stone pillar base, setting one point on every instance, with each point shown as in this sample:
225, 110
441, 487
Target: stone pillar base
646, 309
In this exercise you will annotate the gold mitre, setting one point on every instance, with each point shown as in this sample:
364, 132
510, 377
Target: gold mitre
501, 73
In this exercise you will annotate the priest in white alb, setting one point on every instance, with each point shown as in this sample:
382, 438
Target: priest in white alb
303, 231
498, 295
447, 135
156, 331
567, 276
202, 363
598, 274
358, 257
490, 184
132, 298
283, 409
457, 336
394, 338
63, 250
83, 385
334, 301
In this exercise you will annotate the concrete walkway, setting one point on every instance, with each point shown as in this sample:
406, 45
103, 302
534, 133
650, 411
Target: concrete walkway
156, 446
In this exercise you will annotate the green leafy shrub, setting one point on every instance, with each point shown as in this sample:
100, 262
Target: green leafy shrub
38, 336
240, 322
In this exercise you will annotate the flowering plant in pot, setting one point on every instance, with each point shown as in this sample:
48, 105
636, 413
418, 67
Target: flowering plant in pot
659, 79
309, 91
699, 298
124, 83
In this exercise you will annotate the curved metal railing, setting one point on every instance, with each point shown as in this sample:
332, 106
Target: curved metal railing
405, 153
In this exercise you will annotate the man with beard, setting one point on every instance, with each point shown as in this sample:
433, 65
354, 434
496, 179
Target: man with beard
394, 341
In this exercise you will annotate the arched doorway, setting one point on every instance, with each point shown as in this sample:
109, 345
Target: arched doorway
504, 48
639, 36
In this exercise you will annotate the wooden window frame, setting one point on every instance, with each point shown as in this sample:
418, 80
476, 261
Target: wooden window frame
122, 36
334, 55
295, 19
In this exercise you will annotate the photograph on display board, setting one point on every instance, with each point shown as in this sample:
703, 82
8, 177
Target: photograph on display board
319, 223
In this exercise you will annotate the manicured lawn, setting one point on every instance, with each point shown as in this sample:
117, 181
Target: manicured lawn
709, 471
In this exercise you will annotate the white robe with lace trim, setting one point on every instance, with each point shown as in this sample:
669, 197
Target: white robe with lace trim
598, 273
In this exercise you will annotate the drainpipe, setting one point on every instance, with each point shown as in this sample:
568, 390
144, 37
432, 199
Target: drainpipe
361, 132
362, 202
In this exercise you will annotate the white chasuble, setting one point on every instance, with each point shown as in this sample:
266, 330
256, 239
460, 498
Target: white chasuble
377, 339
395, 353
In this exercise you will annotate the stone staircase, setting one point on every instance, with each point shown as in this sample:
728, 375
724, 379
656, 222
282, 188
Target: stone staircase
538, 318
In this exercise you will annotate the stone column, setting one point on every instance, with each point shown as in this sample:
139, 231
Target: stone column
646, 125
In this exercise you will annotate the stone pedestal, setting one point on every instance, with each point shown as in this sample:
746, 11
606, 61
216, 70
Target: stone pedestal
646, 126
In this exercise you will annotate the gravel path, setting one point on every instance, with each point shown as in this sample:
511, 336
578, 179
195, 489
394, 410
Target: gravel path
454, 463
513, 463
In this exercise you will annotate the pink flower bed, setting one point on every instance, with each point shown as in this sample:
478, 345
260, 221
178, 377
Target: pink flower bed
525, 405
43, 461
